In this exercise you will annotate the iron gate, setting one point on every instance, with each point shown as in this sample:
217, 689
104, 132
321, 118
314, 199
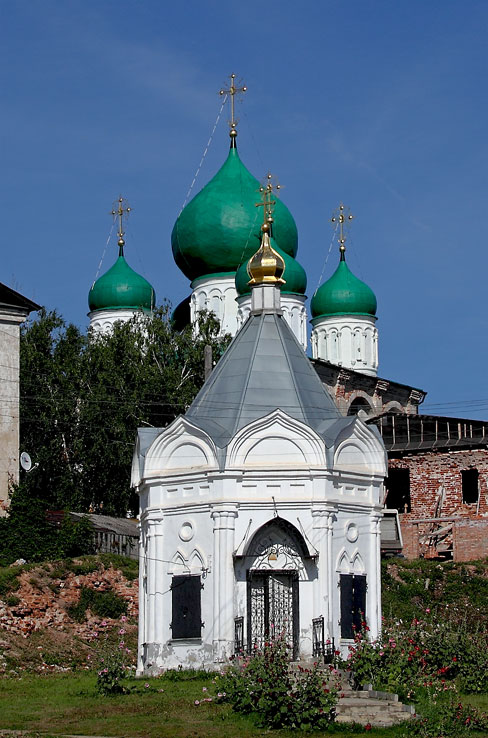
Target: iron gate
273, 608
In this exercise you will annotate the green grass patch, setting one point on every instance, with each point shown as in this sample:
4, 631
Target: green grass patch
68, 704
105, 604
9, 579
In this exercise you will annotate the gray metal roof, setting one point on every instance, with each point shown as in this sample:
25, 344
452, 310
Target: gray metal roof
263, 369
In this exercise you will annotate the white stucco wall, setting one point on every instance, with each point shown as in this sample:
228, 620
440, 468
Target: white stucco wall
350, 341
202, 520
10, 321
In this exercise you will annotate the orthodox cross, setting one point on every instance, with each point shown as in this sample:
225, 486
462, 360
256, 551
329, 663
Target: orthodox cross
268, 203
232, 91
119, 209
340, 217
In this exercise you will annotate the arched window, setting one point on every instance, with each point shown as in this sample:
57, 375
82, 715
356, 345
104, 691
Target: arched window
361, 407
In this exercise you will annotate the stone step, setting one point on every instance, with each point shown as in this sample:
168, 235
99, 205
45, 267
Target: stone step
361, 707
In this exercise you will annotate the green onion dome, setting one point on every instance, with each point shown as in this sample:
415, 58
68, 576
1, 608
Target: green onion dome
294, 275
121, 287
343, 294
220, 227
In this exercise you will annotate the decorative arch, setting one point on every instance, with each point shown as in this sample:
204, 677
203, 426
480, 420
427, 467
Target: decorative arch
343, 564
277, 545
179, 564
357, 563
196, 561
360, 405
276, 440
359, 449
180, 447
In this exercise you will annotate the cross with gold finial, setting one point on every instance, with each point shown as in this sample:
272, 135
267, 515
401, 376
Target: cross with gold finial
233, 91
340, 217
267, 203
119, 209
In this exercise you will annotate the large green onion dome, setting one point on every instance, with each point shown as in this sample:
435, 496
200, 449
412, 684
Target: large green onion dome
343, 294
220, 227
121, 287
294, 275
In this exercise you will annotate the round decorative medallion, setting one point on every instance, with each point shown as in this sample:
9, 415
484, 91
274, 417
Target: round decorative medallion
352, 532
186, 531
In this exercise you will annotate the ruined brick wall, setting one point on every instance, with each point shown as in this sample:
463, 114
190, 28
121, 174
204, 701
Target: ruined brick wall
428, 472
346, 385
470, 540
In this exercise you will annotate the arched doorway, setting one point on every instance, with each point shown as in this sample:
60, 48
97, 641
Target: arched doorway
275, 562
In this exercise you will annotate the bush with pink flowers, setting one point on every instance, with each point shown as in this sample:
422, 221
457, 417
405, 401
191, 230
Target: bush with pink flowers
281, 698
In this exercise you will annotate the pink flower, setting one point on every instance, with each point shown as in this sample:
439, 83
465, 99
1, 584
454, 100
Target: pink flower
123, 619
197, 702
427, 609
204, 689
121, 632
146, 685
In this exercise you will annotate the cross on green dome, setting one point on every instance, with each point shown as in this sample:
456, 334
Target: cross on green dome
343, 294
220, 227
121, 287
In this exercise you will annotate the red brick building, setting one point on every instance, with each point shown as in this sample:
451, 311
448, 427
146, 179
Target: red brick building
437, 466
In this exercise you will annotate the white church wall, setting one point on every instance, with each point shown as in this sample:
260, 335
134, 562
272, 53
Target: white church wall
350, 341
294, 312
103, 321
200, 520
218, 295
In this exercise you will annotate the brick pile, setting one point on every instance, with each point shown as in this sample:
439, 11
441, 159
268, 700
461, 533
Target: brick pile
34, 620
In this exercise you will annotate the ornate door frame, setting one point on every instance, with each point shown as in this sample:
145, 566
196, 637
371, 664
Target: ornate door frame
265, 606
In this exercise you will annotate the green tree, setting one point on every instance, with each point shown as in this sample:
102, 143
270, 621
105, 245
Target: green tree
83, 398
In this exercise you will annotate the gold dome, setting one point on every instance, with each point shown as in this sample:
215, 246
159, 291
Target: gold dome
266, 266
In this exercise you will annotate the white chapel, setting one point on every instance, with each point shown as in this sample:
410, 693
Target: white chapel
260, 507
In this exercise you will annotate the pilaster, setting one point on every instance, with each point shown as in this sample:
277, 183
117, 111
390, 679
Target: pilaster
223, 517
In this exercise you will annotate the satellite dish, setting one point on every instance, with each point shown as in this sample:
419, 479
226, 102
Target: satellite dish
25, 461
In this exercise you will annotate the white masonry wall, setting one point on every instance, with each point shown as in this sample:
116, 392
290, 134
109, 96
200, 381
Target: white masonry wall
201, 520
294, 312
350, 341
10, 321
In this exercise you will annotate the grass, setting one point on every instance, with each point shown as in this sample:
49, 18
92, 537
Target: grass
68, 704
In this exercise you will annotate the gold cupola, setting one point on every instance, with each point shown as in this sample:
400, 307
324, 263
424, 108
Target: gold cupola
266, 266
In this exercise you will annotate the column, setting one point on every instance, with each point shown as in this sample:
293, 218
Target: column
374, 578
322, 516
223, 579
153, 565
141, 634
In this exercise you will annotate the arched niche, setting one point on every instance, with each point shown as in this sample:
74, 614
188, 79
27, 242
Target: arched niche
276, 440
180, 447
277, 545
359, 449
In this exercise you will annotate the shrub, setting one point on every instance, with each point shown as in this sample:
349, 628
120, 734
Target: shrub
105, 604
263, 684
9, 579
111, 671
12, 600
449, 718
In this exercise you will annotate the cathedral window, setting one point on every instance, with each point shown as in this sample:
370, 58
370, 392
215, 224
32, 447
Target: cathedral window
186, 607
470, 485
398, 486
353, 604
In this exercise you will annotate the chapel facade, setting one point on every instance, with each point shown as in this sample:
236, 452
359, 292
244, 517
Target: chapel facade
260, 507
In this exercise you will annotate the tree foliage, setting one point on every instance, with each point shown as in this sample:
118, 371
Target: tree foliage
84, 396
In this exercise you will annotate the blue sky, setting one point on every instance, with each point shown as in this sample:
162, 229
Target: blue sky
379, 104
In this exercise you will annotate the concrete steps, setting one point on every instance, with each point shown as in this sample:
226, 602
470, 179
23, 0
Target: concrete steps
379, 709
